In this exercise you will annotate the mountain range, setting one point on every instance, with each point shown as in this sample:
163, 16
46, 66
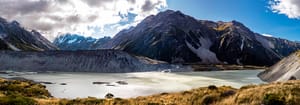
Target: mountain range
169, 36
77, 42
178, 38
16, 38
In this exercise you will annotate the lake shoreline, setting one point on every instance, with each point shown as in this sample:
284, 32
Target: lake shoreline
195, 68
200, 67
138, 83
219, 95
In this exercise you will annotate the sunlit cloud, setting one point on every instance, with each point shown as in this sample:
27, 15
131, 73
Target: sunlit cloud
96, 18
290, 8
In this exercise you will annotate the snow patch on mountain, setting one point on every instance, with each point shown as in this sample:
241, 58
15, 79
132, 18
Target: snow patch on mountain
72, 40
203, 51
78, 42
13, 47
242, 45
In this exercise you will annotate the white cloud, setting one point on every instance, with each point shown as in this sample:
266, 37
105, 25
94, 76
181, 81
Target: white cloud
95, 18
291, 8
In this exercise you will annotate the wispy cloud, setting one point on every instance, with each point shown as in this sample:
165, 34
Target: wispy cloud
88, 17
291, 8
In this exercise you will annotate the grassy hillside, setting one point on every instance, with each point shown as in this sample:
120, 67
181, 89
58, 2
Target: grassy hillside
287, 93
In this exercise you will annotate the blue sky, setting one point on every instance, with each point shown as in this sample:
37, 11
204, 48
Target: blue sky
255, 14
99, 18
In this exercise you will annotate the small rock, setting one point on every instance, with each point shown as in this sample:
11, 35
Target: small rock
109, 95
3, 72
212, 87
164, 93
14, 75
63, 83
293, 78
122, 82
99, 83
46, 82
228, 93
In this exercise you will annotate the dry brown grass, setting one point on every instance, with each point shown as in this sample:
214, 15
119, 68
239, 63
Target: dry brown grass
254, 95
247, 95
298, 53
223, 26
287, 93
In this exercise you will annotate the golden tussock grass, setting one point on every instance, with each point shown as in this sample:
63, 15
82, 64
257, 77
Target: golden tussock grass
285, 93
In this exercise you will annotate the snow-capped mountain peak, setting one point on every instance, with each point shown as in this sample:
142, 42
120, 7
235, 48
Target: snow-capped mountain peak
77, 42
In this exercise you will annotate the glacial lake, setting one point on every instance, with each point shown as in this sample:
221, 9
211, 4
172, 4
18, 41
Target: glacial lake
80, 85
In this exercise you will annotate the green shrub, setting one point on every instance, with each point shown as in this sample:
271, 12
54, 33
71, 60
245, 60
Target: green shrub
273, 99
212, 87
209, 99
17, 100
153, 103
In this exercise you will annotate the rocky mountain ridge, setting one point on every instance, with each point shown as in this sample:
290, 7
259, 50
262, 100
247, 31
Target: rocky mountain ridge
178, 38
75, 42
105, 61
16, 38
287, 69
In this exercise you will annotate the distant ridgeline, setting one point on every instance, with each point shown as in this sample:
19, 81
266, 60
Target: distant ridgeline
169, 36
15, 38
178, 38
174, 37
112, 61
75, 42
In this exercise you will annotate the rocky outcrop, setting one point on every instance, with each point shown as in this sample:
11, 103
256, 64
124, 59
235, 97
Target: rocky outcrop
75, 42
81, 61
287, 69
177, 38
15, 38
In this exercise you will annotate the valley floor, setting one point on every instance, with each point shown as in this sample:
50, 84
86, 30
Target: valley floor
285, 93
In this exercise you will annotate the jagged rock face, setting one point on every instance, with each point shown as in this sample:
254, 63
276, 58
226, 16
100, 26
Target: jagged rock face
280, 46
169, 36
177, 38
236, 44
81, 61
77, 42
287, 69
16, 38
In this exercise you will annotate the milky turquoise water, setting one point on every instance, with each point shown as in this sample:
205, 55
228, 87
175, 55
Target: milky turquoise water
139, 84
